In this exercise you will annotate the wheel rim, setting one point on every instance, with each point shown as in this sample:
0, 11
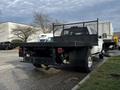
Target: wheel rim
90, 62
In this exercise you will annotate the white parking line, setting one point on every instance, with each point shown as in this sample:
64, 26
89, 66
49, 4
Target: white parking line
4, 67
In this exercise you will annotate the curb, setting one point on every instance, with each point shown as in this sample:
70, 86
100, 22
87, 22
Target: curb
76, 87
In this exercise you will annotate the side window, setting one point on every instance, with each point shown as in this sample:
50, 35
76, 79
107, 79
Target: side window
93, 31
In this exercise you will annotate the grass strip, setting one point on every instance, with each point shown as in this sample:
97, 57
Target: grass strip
106, 77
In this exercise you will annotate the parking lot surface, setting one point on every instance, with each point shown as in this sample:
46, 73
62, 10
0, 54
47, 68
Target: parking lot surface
16, 75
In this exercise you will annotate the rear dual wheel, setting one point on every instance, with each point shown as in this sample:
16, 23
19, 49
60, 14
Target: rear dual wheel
88, 64
37, 65
81, 59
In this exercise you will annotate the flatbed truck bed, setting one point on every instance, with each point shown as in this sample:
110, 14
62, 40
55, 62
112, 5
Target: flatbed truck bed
74, 41
72, 47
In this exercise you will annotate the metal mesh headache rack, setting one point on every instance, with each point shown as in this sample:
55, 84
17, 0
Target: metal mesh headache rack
62, 27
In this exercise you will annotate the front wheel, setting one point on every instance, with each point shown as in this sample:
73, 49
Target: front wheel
101, 56
119, 48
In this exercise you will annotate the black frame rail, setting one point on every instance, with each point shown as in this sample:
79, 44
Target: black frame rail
83, 24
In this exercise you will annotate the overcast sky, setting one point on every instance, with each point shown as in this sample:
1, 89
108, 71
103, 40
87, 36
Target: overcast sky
21, 11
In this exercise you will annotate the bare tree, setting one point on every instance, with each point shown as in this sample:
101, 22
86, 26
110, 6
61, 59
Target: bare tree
23, 33
44, 22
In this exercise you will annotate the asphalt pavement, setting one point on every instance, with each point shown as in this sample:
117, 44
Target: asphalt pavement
16, 75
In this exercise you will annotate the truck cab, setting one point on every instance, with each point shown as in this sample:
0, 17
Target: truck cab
45, 37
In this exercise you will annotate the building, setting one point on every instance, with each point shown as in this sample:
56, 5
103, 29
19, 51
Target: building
6, 29
6, 34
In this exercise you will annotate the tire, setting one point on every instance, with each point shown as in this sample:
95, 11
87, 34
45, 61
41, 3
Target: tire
81, 59
41, 66
119, 48
37, 65
46, 67
6, 48
101, 55
88, 62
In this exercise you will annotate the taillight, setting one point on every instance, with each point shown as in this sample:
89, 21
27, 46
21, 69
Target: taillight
20, 50
60, 50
